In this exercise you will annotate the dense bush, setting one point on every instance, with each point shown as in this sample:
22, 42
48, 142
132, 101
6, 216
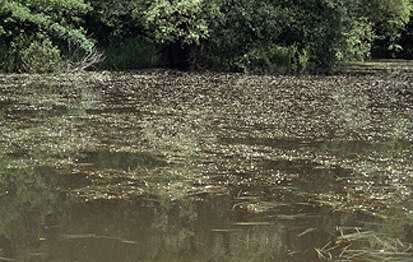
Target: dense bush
112, 20
407, 41
242, 35
36, 54
236, 30
319, 31
272, 35
22, 20
132, 53
41, 56
256, 36
273, 59
182, 21
389, 20
358, 40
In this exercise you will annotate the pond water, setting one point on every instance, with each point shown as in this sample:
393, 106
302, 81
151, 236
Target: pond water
40, 223
43, 225
169, 166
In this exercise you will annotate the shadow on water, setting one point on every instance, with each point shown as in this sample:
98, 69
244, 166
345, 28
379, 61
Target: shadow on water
11, 111
122, 160
282, 143
389, 147
310, 177
162, 230
116, 110
340, 148
30, 113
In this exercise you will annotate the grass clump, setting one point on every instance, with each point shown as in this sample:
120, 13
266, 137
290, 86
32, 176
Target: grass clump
365, 246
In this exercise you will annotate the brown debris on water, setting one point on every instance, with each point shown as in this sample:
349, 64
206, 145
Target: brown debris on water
341, 141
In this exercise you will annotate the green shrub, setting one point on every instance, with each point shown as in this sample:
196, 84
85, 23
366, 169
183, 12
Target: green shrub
22, 20
182, 21
258, 36
407, 40
111, 20
358, 40
56, 18
6, 65
41, 56
288, 36
35, 54
389, 19
237, 30
318, 26
11, 58
275, 59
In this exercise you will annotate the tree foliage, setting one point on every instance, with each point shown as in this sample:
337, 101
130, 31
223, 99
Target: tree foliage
183, 21
41, 56
260, 36
239, 30
59, 21
389, 19
112, 20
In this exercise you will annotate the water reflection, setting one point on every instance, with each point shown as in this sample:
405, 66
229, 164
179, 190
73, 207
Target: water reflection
159, 230
156, 141
40, 223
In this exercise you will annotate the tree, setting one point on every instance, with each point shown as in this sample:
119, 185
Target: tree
57, 20
389, 19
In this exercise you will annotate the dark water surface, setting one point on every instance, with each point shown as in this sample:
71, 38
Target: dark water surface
39, 223
168, 166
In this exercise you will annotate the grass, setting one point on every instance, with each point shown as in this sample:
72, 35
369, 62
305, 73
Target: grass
365, 246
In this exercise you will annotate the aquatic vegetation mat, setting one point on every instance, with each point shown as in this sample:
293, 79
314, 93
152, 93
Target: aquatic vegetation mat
270, 143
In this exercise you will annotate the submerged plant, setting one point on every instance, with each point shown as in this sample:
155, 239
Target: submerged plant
365, 246
271, 144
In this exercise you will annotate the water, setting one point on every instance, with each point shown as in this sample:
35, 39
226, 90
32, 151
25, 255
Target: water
157, 167
123, 161
41, 224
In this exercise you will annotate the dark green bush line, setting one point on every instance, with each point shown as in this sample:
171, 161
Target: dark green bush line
252, 36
